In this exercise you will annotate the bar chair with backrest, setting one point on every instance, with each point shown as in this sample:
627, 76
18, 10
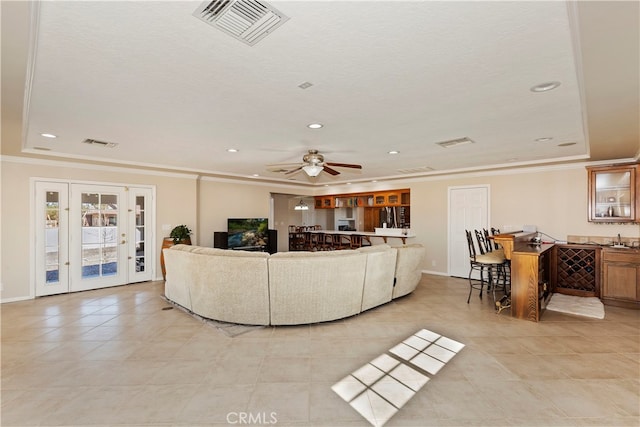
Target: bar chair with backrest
488, 264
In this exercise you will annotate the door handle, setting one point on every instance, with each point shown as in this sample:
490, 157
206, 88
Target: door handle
123, 242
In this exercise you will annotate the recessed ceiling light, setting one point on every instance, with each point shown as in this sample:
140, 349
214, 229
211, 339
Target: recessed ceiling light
394, 152
255, 174
48, 135
375, 180
566, 144
305, 85
513, 159
543, 139
232, 150
315, 125
543, 87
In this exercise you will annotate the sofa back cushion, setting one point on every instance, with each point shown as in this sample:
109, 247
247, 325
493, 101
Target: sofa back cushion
408, 272
225, 285
310, 287
379, 275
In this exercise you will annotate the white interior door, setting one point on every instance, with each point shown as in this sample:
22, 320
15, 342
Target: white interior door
99, 248
51, 233
468, 210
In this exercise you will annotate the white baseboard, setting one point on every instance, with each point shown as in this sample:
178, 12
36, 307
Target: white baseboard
435, 273
15, 299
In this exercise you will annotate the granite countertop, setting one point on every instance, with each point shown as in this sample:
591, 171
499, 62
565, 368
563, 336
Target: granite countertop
607, 242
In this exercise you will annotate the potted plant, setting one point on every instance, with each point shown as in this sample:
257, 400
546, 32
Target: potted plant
180, 234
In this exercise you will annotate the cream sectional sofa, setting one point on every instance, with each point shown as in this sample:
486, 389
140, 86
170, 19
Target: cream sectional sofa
288, 288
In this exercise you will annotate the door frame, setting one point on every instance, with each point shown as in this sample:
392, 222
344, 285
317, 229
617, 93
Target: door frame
486, 187
32, 218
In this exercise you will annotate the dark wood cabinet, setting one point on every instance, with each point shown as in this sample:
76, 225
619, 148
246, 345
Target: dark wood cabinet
531, 280
621, 277
614, 193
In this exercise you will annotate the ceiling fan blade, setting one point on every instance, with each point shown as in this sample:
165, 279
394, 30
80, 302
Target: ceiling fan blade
330, 171
299, 168
344, 165
284, 167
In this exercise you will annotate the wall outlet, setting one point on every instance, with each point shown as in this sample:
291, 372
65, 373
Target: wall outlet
433, 263
166, 227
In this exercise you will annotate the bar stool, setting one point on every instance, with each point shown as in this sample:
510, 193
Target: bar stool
314, 241
341, 241
484, 263
500, 270
326, 244
356, 241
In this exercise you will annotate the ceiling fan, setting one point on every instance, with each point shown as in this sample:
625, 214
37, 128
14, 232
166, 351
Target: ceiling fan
312, 164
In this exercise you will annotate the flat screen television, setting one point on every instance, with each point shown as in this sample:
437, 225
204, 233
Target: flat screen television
249, 234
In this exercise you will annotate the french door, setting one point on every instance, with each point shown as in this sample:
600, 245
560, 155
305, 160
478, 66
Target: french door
91, 236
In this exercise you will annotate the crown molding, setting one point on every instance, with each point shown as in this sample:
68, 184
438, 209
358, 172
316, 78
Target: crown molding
89, 166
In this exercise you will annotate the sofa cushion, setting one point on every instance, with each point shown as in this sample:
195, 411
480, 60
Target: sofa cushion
230, 286
310, 287
408, 271
379, 275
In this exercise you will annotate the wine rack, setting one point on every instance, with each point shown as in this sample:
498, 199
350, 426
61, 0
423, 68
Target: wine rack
578, 270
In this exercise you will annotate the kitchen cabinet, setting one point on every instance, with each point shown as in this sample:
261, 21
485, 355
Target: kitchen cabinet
621, 277
325, 202
376, 199
391, 198
614, 193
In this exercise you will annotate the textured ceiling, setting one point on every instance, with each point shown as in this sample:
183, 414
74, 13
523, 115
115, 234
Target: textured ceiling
175, 93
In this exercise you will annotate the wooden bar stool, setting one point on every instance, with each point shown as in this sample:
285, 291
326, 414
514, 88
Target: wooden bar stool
341, 241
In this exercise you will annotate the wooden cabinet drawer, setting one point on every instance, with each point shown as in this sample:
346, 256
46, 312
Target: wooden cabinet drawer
630, 256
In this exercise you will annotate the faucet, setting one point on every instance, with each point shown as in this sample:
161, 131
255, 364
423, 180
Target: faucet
619, 240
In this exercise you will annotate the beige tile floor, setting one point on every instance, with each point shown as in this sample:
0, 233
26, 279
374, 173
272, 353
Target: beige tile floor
114, 357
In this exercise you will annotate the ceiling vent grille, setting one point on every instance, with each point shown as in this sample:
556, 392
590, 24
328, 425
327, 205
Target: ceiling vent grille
246, 20
419, 169
100, 143
455, 142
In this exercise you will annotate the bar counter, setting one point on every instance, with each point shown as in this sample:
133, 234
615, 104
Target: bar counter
531, 284
368, 234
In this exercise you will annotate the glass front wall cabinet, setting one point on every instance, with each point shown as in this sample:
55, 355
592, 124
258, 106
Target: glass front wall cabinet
613, 193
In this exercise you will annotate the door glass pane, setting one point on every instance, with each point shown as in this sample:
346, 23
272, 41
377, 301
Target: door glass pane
52, 236
140, 254
99, 234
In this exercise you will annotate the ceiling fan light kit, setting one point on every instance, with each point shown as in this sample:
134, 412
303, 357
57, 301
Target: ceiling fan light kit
313, 164
312, 170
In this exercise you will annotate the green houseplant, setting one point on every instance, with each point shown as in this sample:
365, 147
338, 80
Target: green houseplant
180, 234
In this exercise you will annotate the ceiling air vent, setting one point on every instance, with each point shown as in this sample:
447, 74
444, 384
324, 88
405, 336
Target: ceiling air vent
246, 20
455, 142
100, 143
416, 170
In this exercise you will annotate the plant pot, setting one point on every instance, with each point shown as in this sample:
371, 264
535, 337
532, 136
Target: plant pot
167, 243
